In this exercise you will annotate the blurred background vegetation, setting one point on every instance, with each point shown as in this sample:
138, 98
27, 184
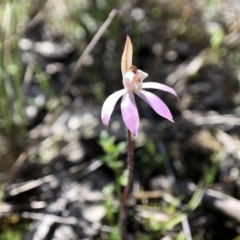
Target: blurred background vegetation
61, 173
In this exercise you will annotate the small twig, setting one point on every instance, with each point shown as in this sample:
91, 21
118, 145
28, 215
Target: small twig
26, 186
206, 118
6, 208
50, 116
30, 69
148, 194
14, 169
87, 51
19, 188
128, 186
187, 69
51, 218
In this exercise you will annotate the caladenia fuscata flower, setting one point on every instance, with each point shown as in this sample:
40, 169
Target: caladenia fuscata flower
133, 84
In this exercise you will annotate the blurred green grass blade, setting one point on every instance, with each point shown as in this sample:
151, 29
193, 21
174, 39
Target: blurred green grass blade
191, 206
176, 219
11, 97
194, 201
4, 98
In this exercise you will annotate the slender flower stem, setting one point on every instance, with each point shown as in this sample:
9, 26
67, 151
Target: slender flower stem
128, 186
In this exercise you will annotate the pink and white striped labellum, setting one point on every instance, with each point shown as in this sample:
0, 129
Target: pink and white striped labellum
133, 84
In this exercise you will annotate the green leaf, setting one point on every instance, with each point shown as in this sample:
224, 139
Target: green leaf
123, 178
108, 189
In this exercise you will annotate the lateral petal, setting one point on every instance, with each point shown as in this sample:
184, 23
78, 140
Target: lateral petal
159, 86
156, 104
130, 113
109, 105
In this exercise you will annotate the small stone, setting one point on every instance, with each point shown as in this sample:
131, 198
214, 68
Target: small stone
75, 122
94, 213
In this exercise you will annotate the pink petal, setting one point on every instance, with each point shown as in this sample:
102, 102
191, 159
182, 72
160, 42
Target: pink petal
159, 86
157, 104
130, 113
109, 104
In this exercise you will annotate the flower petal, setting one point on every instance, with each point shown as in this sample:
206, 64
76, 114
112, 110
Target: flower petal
157, 104
109, 104
130, 113
159, 86
127, 56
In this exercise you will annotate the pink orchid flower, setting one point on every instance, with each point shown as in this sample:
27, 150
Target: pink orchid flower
133, 83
